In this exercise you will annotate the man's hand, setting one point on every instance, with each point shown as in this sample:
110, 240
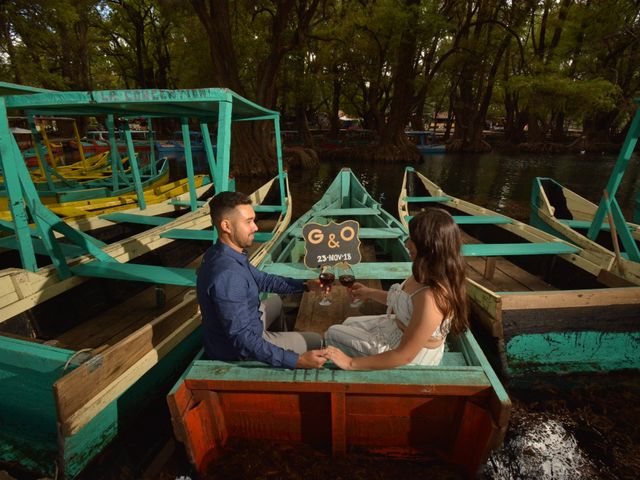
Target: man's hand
311, 359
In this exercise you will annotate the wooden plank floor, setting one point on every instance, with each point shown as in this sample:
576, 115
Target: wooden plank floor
123, 319
507, 277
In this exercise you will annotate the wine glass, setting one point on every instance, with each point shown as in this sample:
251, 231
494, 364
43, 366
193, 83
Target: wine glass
327, 277
347, 278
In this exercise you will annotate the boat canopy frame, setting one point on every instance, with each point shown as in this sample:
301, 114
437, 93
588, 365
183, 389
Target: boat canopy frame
608, 202
203, 105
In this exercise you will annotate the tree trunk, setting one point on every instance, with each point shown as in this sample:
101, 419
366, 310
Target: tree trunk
393, 142
252, 144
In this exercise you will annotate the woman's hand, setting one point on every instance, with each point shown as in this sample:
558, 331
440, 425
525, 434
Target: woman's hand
359, 291
341, 360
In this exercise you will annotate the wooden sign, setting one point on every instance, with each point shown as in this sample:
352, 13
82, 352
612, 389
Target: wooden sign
331, 244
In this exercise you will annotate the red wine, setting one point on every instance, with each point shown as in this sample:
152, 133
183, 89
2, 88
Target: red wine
347, 280
326, 279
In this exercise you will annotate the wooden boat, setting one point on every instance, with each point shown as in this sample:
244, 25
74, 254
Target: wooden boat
425, 141
548, 307
457, 411
73, 378
562, 212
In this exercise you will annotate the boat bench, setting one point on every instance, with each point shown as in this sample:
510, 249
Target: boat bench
435, 199
476, 219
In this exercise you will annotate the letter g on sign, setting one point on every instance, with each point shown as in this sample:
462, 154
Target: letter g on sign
315, 236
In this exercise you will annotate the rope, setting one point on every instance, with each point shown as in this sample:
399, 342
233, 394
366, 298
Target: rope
82, 350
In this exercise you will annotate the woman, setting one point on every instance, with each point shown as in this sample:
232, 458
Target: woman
421, 311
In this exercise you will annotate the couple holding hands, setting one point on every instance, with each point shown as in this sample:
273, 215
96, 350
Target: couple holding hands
421, 311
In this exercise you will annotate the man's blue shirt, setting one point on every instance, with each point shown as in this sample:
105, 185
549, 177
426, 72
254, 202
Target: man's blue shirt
229, 295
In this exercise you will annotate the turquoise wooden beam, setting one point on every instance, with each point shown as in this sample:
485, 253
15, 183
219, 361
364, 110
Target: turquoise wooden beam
12, 164
188, 160
114, 154
221, 179
208, 148
281, 176
133, 161
612, 188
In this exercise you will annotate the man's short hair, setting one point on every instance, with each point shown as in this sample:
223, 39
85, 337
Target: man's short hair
222, 203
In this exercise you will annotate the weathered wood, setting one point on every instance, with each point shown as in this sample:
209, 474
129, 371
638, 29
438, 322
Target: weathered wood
81, 394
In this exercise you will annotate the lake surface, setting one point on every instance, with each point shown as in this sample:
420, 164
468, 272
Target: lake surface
495, 181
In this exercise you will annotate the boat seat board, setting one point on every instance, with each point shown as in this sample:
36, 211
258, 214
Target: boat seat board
186, 203
136, 272
346, 212
476, 219
505, 249
367, 232
258, 376
434, 199
586, 224
134, 218
363, 270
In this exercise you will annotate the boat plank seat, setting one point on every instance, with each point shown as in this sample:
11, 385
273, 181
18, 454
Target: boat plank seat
136, 272
347, 212
207, 235
431, 199
313, 317
185, 203
367, 232
506, 249
363, 270
586, 224
476, 219
120, 217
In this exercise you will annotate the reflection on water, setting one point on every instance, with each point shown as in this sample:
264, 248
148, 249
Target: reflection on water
495, 181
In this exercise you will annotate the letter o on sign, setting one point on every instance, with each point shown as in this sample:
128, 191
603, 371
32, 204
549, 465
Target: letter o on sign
347, 234
315, 236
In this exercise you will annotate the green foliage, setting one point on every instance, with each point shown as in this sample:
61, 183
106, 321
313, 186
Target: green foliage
580, 59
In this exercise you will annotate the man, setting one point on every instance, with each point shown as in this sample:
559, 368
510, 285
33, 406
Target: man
228, 292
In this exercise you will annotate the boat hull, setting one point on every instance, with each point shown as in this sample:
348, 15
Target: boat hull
36, 435
450, 412
568, 314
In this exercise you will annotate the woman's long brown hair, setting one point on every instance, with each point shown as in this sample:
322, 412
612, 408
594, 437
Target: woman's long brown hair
439, 264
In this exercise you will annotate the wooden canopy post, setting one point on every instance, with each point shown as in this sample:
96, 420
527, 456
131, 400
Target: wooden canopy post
612, 188
188, 160
133, 161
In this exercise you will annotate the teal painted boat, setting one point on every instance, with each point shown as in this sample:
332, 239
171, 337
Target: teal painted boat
601, 231
425, 141
562, 212
69, 385
543, 304
457, 411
